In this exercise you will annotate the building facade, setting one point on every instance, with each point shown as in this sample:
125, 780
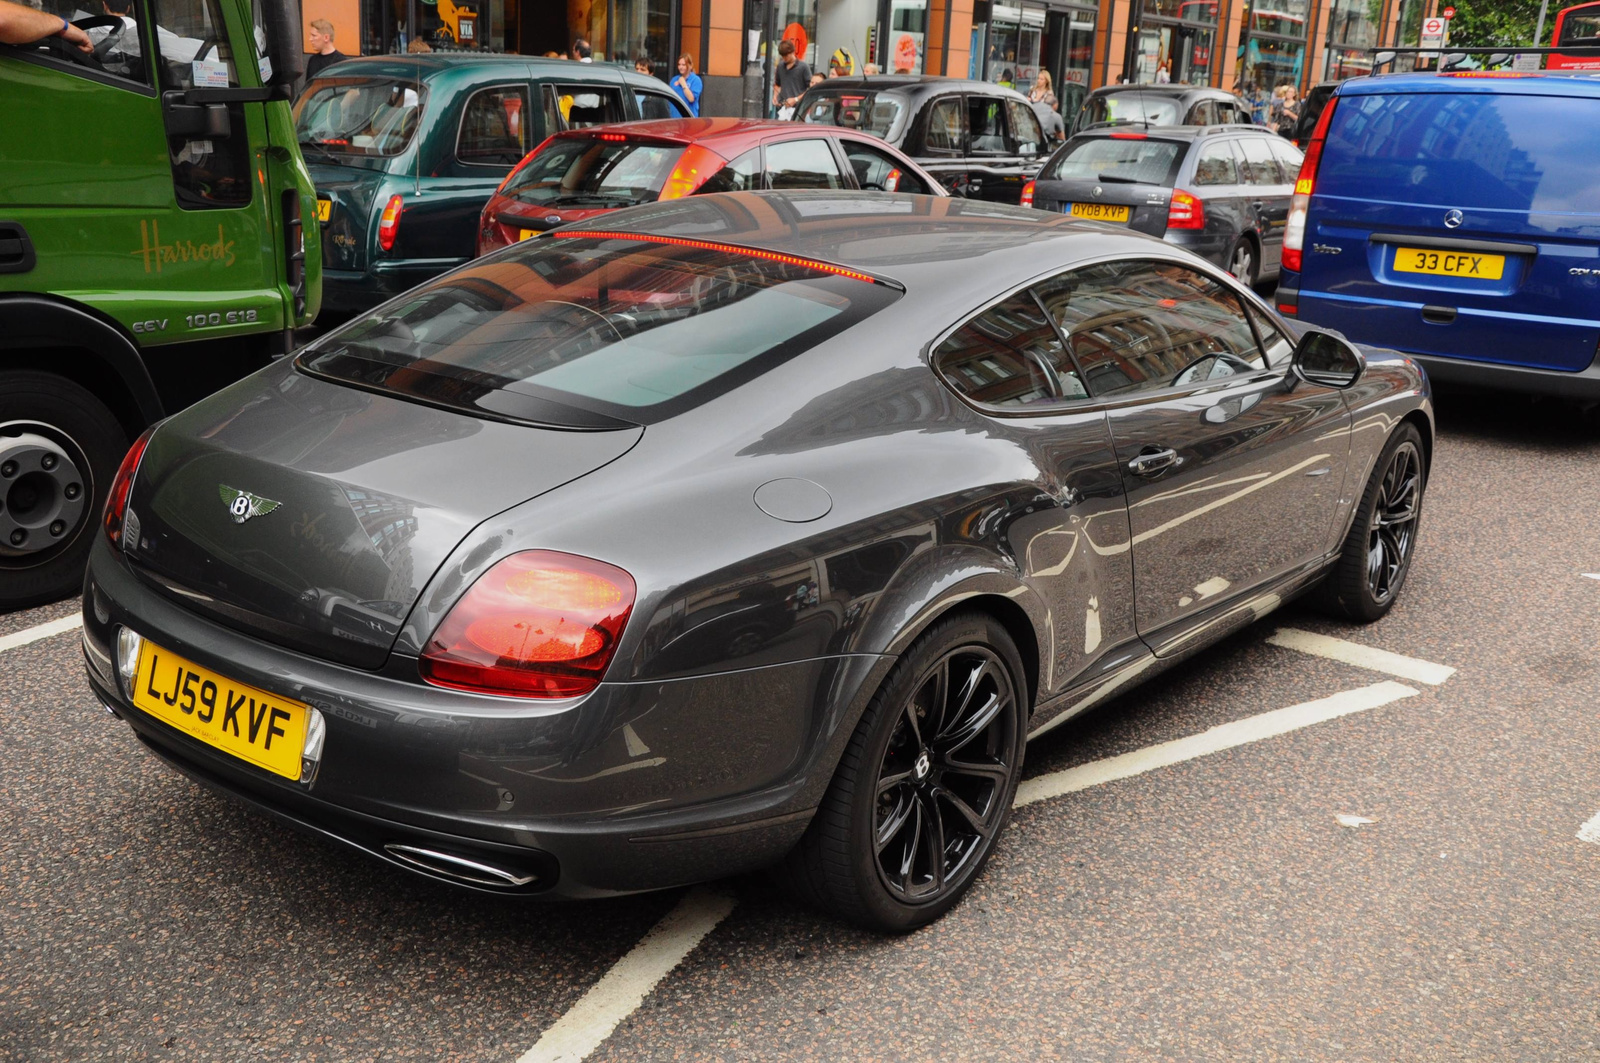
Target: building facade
1232, 44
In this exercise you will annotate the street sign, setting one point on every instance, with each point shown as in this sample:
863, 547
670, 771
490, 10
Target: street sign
1449, 13
1433, 30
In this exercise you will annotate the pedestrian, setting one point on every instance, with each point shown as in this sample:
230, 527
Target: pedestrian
841, 64
24, 25
1288, 111
687, 84
870, 70
1042, 87
793, 78
324, 54
1164, 72
582, 51
642, 65
1050, 118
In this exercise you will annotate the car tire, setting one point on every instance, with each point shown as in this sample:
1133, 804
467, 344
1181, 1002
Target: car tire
1366, 580
59, 449
1244, 263
903, 791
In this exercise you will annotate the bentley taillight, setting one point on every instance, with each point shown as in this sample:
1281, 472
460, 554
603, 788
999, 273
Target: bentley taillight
121, 484
539, 624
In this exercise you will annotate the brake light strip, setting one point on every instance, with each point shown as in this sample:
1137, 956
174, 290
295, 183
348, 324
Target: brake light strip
753, 252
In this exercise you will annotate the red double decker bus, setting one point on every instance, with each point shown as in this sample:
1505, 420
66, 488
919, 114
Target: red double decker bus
1579, 24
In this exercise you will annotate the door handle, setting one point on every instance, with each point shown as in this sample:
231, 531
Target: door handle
1152, 460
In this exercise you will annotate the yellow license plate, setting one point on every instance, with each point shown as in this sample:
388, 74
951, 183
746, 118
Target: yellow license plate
253, 725
324, 209
525, 233
1100, 212
1472, 264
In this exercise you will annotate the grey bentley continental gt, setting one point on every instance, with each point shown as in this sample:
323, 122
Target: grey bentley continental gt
742, 531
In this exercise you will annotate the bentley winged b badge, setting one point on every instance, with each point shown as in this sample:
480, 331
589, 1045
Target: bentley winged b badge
242, 505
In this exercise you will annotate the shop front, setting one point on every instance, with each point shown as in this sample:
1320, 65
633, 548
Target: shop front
1175, 42
1017, 40
1273, 49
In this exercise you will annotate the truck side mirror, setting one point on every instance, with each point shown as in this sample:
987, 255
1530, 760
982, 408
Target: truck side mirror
1327, 358
281, 20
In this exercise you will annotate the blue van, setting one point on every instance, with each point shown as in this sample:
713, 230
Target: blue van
1457, 218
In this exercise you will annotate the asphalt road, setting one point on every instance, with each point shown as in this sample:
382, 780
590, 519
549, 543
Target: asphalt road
1214, 908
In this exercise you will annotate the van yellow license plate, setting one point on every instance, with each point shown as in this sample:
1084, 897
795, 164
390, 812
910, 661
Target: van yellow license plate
245, 721
1099, 211
324, 209
1473, 264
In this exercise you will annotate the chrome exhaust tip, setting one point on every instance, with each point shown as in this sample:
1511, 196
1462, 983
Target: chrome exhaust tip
459, 868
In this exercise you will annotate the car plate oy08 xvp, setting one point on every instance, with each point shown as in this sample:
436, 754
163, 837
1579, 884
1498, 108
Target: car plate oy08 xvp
242, 720
1099, 211
1471, 264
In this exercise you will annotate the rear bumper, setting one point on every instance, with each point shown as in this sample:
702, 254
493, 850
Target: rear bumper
352, 291
1583, 385
638, 786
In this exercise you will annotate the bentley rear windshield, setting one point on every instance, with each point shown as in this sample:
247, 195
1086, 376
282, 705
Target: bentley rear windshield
596, 332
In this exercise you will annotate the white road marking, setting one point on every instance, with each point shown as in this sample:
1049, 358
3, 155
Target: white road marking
1590, 831
1224, 736
1592, 575
41, 631
1361, 656
617, 995
1354, 821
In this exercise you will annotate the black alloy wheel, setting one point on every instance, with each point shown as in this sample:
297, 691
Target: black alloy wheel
926, 784
942, 775
1393, 528
1366, 580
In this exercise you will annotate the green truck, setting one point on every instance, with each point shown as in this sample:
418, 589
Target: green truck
153, 207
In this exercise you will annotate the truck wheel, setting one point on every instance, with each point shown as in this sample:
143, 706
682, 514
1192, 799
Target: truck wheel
59, 448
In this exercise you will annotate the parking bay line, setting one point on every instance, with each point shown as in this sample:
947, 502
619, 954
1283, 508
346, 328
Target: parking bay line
623, 988
1590, 831
1223, 736
41, 631
1374, 660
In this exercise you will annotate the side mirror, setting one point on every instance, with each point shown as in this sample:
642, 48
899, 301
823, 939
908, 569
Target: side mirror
282, 24
1328, 359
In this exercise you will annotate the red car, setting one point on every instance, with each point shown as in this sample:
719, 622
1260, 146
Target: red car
584, 172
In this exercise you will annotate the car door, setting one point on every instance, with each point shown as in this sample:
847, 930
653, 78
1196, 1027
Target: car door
944, 141
875, 170
492, 131
1219, 184
1070, 538
1270, 193
994, 168
1232, 466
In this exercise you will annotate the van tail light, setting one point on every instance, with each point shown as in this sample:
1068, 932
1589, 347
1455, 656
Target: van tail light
695, 165
539, 624
1294, 233
121, 484
1027, 194
1186, 211
389, 223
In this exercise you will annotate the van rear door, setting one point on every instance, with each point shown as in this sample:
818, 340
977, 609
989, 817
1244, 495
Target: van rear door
1461, 220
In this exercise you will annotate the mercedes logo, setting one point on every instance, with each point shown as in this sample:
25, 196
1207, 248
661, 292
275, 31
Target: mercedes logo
1453, 219
1097, 191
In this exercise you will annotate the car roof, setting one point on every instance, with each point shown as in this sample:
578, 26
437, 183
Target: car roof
429, 65
935, 245
1543, 83
1178, 132
699, 130
1162, 90
912, 84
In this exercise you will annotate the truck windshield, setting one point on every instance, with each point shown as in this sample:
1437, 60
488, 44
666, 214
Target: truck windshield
591, 172
359, 116
595, 332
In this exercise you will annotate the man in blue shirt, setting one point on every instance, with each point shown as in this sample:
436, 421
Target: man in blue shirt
688, 84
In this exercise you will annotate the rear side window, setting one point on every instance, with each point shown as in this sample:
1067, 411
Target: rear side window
869, 112
492, 127
1259, 167
1216, 164
1133, 106
1152, 162
944, 125
582, 106
1025, 131
359, 116
1471, 150
1008, 357
741, 175
1289, 157
802, 164
877, 171
584, 171
550, 334
1140, 326
655, 105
